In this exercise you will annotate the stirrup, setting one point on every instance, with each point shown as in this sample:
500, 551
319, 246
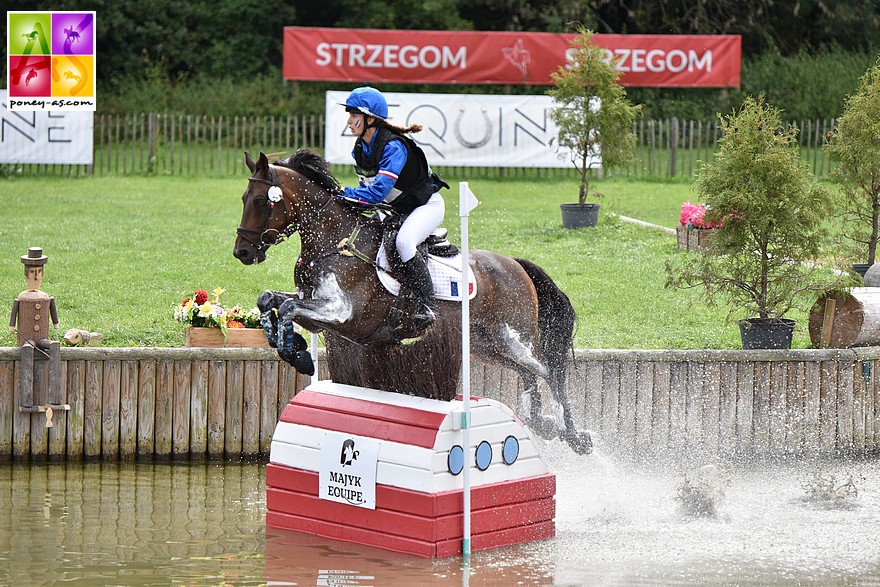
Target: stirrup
423, 319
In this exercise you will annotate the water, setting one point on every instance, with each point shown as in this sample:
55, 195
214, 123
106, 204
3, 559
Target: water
618, 523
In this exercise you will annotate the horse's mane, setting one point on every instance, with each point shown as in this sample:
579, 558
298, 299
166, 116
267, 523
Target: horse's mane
313, 166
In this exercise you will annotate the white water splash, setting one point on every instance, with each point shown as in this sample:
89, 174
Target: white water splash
620, 523
330, 302
521, 351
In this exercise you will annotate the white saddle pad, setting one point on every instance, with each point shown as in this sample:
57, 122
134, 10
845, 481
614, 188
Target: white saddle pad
445, 273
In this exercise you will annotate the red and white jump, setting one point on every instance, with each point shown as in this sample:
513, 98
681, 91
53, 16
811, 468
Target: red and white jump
385, 469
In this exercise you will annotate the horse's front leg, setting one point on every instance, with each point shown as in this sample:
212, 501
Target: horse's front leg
291, 345
268, 303
328, 308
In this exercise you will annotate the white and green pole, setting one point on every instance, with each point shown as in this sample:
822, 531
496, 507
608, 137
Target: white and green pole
314, 353
466, 202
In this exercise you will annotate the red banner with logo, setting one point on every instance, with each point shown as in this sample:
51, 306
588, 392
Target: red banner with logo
443, 57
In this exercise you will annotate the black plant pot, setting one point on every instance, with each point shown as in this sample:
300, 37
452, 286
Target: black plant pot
577, 216
766, 333
861, 268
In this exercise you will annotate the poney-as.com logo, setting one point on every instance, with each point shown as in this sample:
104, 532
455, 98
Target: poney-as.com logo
51, 61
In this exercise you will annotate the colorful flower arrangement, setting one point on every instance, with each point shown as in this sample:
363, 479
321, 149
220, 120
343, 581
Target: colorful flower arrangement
694, 216
200, 310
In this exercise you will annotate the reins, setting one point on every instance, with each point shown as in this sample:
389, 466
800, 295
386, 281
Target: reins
264, 237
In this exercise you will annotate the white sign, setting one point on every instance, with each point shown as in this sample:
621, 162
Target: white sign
46, 137
347, 469
466, 130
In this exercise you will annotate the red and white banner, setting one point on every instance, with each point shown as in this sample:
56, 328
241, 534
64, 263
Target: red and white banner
443, 57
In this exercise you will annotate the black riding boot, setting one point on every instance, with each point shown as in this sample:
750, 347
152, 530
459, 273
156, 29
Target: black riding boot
417, 277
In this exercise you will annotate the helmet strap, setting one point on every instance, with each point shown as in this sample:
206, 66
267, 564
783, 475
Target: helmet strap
369, 125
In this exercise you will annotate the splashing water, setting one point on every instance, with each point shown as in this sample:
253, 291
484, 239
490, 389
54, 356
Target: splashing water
703, 490
625, 523
823, 489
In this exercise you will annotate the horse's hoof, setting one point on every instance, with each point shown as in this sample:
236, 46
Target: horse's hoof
269, 300
301, 360
580, 442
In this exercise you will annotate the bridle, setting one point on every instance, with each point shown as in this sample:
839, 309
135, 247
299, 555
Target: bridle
265, 237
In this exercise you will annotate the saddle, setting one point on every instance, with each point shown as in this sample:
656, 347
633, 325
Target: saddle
442, 257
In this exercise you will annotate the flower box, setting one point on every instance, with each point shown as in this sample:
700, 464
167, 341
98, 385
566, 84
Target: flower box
198, 336
694, 239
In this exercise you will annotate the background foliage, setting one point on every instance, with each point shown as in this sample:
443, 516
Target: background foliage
224, 56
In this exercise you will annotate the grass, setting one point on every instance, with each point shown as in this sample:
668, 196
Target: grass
124, 250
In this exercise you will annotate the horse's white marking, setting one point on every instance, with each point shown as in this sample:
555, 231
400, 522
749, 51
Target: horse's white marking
526, 401
522, 352
559, 415
330, 303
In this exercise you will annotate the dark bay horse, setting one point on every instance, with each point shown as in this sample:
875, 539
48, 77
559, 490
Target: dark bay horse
519, 318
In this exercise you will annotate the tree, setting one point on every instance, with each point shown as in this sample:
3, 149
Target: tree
855, 146
593, 116
771, 208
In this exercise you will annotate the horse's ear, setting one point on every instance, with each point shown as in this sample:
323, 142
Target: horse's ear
263, 162
249, 162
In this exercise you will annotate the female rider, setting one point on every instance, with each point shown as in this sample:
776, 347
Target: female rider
393, 169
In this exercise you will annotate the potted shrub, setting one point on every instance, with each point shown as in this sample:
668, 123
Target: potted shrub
854, 146
593, 118
770, 209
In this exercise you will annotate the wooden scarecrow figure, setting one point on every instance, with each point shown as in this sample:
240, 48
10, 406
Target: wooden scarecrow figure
33, 307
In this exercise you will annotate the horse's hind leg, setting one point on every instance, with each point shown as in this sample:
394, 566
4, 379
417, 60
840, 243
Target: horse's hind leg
560, 423
580, 441
548, 427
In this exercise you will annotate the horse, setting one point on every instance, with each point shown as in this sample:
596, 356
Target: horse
71, 34
519, 318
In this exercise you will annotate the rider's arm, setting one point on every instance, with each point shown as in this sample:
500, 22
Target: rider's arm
393, 160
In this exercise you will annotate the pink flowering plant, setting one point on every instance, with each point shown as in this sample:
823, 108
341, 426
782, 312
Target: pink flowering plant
694, 216
200, 309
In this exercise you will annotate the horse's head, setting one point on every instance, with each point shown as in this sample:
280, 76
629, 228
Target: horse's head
266, 215
281, 197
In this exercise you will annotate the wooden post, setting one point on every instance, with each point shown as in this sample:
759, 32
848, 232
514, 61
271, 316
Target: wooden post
828, 321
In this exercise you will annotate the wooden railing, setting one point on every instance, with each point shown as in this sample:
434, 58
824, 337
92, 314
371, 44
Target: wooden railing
128, 403
184, 145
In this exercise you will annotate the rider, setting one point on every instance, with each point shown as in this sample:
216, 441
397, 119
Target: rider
393, 169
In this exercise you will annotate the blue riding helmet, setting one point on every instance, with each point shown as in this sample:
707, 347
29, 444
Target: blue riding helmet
368, 100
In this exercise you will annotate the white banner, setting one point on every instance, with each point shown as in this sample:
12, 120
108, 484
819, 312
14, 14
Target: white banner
46, 137
462, 129
347, 469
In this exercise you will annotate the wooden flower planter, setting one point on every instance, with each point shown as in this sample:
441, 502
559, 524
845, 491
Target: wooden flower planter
694, 239
213, 338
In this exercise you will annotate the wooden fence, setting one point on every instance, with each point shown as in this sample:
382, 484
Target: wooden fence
128, 403
165, 144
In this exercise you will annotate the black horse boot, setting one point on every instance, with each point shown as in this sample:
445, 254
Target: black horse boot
417, 277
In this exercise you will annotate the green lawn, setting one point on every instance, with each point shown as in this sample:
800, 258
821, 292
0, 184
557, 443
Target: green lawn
124, 250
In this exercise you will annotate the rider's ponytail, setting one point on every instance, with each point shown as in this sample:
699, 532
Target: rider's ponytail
413, 128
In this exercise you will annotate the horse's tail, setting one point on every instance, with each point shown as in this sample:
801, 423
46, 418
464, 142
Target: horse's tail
556, 318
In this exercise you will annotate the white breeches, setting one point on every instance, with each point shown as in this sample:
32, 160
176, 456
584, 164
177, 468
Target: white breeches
420, 223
